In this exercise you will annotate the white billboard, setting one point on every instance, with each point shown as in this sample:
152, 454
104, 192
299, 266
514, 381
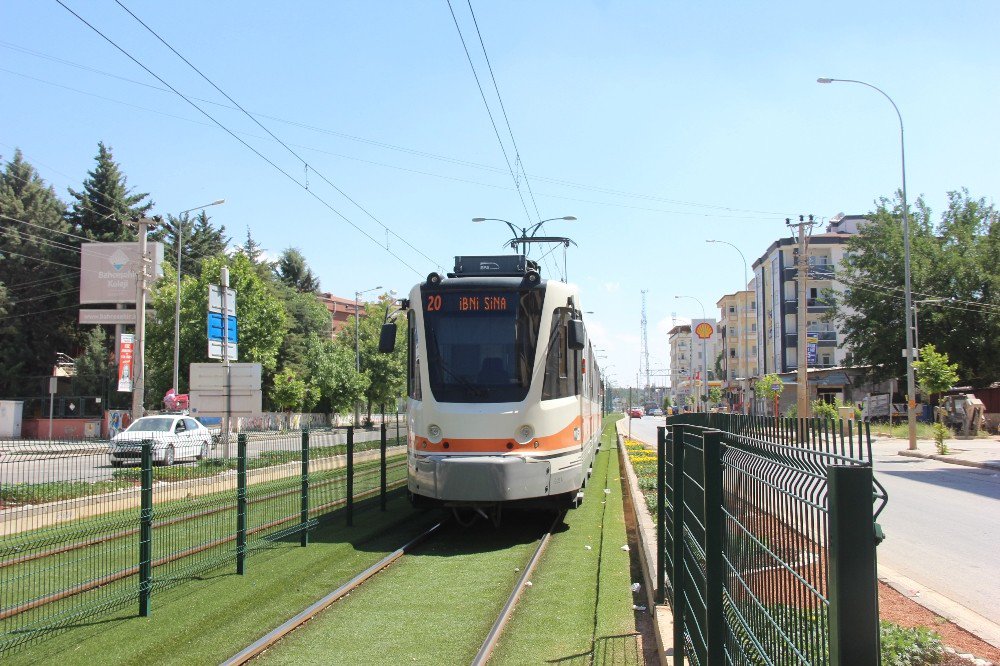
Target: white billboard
108, 270
208, 389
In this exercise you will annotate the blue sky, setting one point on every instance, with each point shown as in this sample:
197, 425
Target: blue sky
657, 124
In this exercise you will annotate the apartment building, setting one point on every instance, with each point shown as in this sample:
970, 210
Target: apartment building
738, 331
689, 354
341, 310
776, 295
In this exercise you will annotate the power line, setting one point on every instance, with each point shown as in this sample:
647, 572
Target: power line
270, 133
232, 134
758, 215
373, 142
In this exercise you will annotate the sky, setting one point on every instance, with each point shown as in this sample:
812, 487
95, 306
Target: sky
658, 125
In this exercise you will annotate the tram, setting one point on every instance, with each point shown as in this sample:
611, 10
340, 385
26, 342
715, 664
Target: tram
504, 392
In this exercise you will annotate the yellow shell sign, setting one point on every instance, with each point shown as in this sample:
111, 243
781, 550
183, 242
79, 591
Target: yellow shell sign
704, 330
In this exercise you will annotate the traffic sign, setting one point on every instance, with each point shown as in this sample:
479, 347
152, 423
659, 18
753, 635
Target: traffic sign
215, 350
215, 300
215, 328
775, 387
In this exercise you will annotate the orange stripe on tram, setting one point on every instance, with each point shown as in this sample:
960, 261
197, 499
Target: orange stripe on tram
560, 440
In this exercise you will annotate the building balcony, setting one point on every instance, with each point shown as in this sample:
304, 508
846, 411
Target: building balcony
815, 305
823, 338
818, 272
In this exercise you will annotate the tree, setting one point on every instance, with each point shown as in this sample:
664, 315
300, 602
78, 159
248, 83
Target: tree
261, 316
93, 369
667, 403
386, 373
288, 391
199, 240
40, 278
934, 373
715, 395
956, 258
105, 204
291, 269
768, 387
307, 318
331, 367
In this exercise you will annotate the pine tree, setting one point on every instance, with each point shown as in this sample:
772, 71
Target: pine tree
101, 210
291, 269
38, 269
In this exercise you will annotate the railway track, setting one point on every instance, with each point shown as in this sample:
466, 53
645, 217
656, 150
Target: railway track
272, 638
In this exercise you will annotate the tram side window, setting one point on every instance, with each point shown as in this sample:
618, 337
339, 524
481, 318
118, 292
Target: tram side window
562, 376
413, 364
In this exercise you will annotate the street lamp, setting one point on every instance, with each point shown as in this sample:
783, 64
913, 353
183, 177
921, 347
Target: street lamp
357, 341
704, 352
177, 302
911, 388
746, 334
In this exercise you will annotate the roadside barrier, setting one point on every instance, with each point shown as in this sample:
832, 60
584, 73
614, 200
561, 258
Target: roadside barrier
87, 529
766, 539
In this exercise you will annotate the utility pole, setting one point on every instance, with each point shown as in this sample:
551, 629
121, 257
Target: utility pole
139, 382
802, 278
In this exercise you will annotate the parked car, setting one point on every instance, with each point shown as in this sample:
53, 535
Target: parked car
173, 437
655, 411
635, 413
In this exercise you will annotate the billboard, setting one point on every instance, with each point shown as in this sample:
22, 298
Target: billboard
108, 270
125, 355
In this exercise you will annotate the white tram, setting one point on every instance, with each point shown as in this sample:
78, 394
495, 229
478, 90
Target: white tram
504, 391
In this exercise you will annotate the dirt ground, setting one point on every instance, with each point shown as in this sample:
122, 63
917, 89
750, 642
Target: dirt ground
895, 607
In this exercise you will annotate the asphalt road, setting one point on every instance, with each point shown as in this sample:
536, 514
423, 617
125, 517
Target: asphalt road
38, 462
942, 523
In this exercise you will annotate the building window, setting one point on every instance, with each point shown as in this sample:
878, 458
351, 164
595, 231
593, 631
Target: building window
826, 359
732, 309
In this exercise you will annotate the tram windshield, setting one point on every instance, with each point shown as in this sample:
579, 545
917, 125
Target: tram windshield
481, 343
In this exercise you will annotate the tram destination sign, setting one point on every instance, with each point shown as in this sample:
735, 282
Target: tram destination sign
472, 302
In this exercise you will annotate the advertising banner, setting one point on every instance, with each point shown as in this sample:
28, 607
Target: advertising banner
108, 270
811, 353
125, 370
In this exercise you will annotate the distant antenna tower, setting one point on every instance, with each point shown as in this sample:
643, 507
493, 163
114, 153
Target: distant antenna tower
644, 351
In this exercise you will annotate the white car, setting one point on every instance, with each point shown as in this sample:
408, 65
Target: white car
173, 437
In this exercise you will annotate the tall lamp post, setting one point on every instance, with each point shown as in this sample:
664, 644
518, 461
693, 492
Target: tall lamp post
704, 353
357, 343
911, 387
177, 302
746, 333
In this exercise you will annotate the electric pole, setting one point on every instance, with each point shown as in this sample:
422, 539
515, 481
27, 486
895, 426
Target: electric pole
139, 381
802, 360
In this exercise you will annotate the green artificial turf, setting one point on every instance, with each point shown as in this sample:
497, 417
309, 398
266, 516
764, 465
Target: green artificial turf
579, 609
433, 607
213, 615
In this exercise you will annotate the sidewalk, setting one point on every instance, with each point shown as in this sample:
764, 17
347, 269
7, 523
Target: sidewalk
978, 452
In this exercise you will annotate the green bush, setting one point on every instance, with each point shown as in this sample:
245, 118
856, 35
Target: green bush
941, 433
909, 647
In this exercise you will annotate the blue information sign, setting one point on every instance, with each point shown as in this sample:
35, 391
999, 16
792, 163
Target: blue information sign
215, 327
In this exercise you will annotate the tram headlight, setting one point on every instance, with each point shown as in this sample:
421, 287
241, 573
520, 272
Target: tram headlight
524, 434
434, 433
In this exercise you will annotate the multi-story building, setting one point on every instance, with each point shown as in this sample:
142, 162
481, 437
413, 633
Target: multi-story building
692, 360
775, 273
341, 310
738, 329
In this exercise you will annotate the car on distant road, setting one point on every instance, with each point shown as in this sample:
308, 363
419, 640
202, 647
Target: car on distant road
173, 436
655, 411
635, 413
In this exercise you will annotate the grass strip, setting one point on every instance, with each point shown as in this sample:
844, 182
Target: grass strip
580, 603
213, 615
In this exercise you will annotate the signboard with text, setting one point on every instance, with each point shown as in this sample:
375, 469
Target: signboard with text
125, 355
108, 270
109, 316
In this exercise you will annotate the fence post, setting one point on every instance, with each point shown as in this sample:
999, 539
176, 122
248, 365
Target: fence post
304, 519
146, 529
677, 542
661, 513
241, 502
350, 475
851, 576
715, 573
382, 465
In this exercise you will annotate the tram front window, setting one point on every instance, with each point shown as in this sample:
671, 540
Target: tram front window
481, 344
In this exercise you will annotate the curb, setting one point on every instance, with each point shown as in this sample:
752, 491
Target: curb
972, 622
661, 615
947, 459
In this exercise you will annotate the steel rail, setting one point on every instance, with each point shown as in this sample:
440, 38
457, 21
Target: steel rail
21, 559
269, 639
194, 550
491, 639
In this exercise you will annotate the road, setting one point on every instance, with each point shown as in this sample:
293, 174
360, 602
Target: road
942, 523
33, 461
